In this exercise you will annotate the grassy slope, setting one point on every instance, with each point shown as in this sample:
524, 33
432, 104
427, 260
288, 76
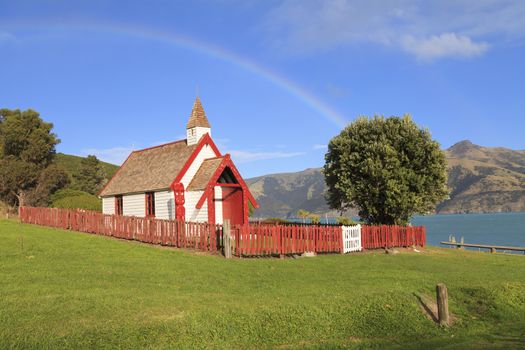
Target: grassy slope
74, 290
72, 163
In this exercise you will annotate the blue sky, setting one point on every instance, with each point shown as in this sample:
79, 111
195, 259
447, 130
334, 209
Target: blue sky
277, 79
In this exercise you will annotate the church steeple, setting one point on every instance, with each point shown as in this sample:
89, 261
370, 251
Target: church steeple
198, 125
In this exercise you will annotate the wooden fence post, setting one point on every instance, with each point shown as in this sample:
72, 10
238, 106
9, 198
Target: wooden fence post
442, 304
227, 239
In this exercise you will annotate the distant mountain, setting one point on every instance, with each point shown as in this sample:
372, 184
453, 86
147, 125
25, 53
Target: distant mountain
282, 195
484, 179
481, 179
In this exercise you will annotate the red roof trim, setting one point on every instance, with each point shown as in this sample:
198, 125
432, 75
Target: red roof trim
205, 140
227, 162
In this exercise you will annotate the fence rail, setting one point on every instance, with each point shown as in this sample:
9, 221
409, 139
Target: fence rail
374, 237
247, 240
165, 232
261, 239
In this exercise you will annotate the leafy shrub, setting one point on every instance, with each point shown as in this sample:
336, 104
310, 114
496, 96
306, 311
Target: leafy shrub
315, 219
6, 209
344, 221
75, 199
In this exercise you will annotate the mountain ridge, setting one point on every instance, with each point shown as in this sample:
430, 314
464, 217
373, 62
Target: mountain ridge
481, 180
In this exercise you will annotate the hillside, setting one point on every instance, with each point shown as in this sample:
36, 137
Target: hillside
481, 179
484, 179
282, 195
71, 163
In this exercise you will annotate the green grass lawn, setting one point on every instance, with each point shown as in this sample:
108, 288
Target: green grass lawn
61, 289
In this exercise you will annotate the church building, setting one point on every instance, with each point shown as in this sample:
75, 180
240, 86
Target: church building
187, 180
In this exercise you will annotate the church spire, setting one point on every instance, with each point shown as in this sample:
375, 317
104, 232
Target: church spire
198, 124
198, 116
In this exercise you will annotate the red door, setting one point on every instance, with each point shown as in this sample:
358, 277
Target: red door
232, 205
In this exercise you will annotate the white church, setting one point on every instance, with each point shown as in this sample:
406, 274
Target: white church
187, 180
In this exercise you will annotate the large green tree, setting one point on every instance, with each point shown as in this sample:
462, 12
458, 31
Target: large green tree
388, 168
50, 180
27, 148
90, 176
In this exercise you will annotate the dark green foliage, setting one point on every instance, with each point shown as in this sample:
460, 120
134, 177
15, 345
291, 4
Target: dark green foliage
388, 168
315, 219
345, 221
25, 136
75, 199
16, 178
72, 165
51, 179
90, 177
303, 214
27, 147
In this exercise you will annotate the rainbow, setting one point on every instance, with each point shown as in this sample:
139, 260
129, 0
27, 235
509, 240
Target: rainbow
206, 49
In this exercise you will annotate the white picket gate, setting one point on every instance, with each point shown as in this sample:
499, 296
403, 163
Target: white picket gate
352, 239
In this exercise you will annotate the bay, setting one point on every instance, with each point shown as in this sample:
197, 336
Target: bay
506, 229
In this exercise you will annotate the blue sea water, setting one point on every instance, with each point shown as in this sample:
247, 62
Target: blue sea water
506, 229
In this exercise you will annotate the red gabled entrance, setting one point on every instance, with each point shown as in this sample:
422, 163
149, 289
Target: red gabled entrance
236, 194
232, 205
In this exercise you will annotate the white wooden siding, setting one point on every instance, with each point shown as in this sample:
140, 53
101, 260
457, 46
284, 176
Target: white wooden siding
193, 214
218, 205
134, 204
108, 205
164, 205
205, 153
194, 135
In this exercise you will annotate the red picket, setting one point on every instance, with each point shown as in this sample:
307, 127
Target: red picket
250, 240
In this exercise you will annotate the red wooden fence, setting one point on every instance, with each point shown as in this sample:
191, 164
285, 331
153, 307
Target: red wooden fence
373, 237
269, 239
166, 232
248, 240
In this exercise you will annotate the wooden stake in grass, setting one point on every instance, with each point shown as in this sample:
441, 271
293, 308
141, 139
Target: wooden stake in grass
442, 304
227, 239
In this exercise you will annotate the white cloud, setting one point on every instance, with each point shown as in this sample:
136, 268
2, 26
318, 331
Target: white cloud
247, 156
428, 30
115, 155
318, 147
444, 45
